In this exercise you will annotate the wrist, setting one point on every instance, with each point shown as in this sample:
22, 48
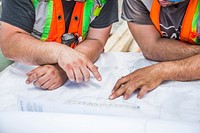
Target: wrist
164, 70
59, 50
91, 48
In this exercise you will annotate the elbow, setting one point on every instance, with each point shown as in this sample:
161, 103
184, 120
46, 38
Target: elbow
151, 55
152, 51
148, 53
147, 56
4, 48
5, 52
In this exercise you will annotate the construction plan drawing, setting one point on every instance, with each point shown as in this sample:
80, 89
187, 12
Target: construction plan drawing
172, 100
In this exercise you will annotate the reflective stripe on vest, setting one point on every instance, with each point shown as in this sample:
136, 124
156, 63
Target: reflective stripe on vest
190, 25
50, 22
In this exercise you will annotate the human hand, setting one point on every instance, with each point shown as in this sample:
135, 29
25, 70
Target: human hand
77, 65
47, 77
145, 79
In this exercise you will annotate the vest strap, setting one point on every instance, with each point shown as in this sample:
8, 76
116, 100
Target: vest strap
81, 18
187, 22
155, 14
189, 30
50, 22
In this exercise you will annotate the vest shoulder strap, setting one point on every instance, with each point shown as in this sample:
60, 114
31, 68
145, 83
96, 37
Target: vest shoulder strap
187, 21
49, 20
188, 30
155, 14
82, 15
50, 23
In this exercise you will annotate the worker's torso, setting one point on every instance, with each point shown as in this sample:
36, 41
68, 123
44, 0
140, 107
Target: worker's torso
171, 19
54, 18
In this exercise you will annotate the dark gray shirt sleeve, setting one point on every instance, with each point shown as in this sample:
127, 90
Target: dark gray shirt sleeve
108, 15
135, 11
19, 13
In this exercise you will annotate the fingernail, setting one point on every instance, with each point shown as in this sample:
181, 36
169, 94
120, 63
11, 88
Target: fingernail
139, 97
72, 80
27, 82
125, 97
99, 78
111, 97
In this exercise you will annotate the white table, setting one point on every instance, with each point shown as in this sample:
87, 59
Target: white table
172, 107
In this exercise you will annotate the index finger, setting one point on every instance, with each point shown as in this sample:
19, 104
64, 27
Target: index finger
94, 71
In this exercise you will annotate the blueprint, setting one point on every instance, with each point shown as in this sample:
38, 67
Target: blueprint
171, 101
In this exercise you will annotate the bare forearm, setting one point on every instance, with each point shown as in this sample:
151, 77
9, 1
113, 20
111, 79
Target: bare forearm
169, 49
181, 70
92, 48
26, 49
154, 47
94, 44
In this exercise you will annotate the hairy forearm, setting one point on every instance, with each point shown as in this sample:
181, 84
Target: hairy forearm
154, 47
169, 49
24, 48
92, 48
181, 70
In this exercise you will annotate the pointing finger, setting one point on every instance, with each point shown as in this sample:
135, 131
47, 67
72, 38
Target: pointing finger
95, 71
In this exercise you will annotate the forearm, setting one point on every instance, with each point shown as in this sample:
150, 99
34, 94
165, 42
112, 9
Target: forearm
181, 70
170, 49
24, 48
154, 47
92, 48
94, 44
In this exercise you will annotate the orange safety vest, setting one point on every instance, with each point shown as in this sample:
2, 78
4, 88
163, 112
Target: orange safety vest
190, 29
50, 23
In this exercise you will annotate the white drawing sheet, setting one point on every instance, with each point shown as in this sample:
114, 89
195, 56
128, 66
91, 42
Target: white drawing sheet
174, 101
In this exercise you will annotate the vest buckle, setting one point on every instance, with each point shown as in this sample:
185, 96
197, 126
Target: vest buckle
68, 39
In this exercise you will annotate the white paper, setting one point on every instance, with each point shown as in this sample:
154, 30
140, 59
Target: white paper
18, 122
172, 101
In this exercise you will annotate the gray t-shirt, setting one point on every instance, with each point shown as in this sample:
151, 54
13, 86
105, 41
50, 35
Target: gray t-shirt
21, 13
170, 17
